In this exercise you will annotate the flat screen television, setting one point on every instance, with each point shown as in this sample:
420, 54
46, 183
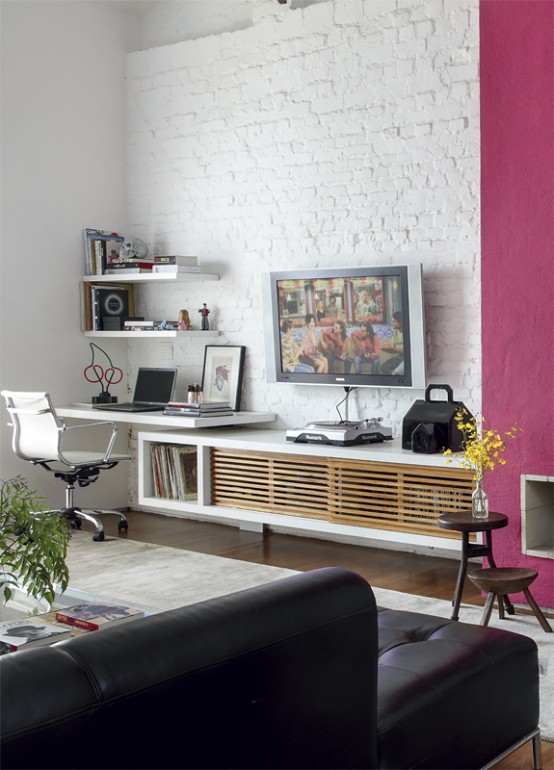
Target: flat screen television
360, 326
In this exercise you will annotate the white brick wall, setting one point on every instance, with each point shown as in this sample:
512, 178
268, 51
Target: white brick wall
344, 133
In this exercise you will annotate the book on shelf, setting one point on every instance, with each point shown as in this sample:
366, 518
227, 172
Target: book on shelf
169, 412
174, 471
95, 617
101, 248
140, 323
128, 267
175, 259
137, 328
176, 269
110, 301
26, 633
105, 300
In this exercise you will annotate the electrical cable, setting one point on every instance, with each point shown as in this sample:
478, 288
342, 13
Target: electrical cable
348, 391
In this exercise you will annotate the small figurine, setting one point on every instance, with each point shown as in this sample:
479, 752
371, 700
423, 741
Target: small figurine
205, 312
184, 321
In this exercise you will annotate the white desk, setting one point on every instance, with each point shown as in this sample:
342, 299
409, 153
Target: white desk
160, 420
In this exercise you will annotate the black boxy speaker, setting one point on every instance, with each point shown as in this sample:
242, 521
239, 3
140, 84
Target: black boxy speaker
429, 426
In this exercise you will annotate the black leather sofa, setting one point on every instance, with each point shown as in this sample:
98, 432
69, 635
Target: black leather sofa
305, 672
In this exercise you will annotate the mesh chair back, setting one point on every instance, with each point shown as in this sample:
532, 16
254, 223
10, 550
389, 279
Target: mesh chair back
36, 426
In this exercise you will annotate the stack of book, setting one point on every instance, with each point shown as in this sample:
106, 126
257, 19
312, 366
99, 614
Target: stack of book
95, 617
140, 325
175, 263
26, 633
202, 409
101, 247
129, 267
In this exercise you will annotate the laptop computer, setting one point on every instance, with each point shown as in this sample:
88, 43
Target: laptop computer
153, 389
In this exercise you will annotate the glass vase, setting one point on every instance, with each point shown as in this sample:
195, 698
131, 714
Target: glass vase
479, 501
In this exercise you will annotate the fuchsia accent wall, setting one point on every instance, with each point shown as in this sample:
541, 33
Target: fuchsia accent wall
517, 205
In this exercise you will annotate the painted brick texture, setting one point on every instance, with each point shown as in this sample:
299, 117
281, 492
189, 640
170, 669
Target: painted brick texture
345, 133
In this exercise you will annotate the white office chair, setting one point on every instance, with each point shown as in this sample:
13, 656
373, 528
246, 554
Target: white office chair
37, 437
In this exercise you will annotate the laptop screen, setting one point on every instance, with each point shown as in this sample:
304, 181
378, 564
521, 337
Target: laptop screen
154, 385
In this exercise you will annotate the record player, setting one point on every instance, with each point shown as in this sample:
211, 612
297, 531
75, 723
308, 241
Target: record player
341, 432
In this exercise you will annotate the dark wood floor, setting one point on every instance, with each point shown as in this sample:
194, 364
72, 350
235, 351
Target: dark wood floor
408, 572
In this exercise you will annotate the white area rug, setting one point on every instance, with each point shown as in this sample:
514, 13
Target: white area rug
165, 578
158, 577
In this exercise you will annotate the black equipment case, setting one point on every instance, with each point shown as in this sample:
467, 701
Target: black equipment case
429, 426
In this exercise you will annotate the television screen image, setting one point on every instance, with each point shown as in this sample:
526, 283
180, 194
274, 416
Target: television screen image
352, 327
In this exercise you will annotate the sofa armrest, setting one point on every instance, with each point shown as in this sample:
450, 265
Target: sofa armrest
282, 675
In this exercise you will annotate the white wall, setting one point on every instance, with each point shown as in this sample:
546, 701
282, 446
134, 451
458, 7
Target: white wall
343, 133
63, 169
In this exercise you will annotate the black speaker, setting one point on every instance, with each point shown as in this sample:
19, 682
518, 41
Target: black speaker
429, 426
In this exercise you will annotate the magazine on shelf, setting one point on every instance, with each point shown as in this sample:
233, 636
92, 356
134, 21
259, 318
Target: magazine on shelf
95, 617
26, 633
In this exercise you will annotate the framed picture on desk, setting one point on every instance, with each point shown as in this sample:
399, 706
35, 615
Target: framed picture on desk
222, 374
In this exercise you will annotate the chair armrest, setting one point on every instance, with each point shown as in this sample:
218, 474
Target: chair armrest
84, 425
14, 410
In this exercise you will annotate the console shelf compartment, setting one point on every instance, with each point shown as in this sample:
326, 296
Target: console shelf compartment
376, 491
358, 492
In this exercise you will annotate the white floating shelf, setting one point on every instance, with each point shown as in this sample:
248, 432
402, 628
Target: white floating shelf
209, 333
151, 278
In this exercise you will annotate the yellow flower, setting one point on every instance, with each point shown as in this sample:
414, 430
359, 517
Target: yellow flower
482, 450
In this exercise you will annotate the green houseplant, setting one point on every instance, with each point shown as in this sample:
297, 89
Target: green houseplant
32, 548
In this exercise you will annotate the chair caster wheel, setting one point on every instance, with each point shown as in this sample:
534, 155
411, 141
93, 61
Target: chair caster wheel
123, 526
98, 536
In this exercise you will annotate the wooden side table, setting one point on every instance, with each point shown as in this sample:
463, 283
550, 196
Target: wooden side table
464, 522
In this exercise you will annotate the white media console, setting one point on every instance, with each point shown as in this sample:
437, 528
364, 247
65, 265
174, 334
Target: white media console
254, 477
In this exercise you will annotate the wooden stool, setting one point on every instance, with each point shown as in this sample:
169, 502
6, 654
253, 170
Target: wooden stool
502, 581
466, 523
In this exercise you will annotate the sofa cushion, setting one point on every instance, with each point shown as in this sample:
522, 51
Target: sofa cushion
446, 691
